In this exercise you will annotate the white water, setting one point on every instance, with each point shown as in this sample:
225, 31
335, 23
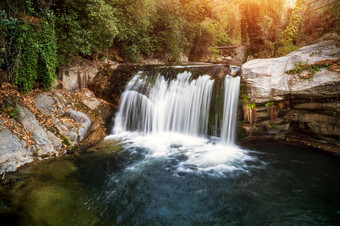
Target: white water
231, 92
179, 106
170, 119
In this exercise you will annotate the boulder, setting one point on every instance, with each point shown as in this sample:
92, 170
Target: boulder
267, 79
67, 129
48, 105
30, 124
84, 122
13, 153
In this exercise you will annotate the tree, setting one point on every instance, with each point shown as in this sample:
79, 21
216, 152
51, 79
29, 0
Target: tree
85, 27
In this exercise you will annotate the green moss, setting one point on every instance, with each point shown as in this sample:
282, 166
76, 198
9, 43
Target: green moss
65, 140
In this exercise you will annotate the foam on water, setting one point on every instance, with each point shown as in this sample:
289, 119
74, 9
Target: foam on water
190, 153
170, 119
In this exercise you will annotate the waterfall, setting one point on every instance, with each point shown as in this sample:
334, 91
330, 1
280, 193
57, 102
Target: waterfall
231, 92
181, 104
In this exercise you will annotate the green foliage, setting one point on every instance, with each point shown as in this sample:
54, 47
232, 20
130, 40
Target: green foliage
245, 98
251, 105
285, 48
85, 27
269, 126
9, 31
29, 48
47, 54
311, 68
72, 38
65, 140
12, 112
167, 29
291, 31
135, 27
25, 69
269, 104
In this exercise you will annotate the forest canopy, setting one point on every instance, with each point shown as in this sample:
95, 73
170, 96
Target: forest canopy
38, 35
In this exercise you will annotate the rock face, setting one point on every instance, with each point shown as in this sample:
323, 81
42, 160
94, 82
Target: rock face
289, 106
56, 127
268, 81
75, 78
81, 74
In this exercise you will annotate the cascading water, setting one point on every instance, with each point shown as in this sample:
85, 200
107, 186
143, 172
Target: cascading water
182, 113
231, 92
179, 105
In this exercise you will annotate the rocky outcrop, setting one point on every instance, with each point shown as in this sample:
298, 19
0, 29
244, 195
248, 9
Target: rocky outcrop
39, 135
78, 76
267, 79
52, 124
279, 105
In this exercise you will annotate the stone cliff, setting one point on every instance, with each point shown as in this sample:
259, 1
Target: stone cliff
295, 97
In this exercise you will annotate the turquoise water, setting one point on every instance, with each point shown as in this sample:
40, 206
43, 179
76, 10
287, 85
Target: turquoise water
127, 181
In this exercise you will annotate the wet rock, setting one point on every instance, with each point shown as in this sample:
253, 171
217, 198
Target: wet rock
12, 150
306, 116
326, 129
30, 124
84, 121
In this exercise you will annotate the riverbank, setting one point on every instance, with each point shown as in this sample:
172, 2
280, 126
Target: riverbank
45, 125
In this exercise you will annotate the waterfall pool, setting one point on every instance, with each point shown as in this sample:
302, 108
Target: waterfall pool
172, 179
172, 161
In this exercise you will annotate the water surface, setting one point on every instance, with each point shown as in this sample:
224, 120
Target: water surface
153, 180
